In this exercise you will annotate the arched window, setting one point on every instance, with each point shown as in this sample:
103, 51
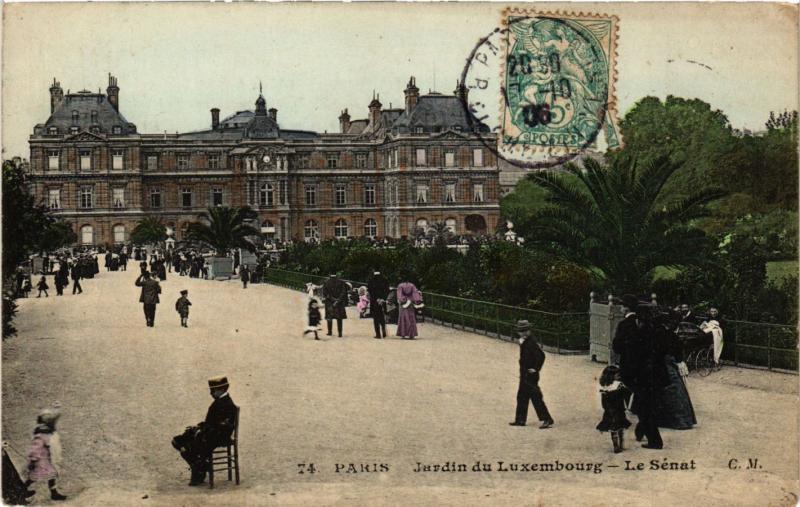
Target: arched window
450, 223
75, 117
311, 230
422, 224
119, 234
87, 235
340, 229
266, 195
475, 224
370, 228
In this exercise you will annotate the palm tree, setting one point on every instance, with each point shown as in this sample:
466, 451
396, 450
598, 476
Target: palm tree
224, 228
149, 229
615, 220
439, 233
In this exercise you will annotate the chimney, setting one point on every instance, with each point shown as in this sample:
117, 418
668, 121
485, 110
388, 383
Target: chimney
273, 113
375, 109
56, 95
462, 92
113, 92
344, 122
214, 118
412, 94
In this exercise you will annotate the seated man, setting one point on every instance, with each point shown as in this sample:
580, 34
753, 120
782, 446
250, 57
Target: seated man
198, 442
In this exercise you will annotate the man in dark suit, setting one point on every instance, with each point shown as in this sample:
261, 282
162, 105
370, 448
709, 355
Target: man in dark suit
149, 297
642, 349
197, 443
378, 289
334, 295
531, 359
76, 278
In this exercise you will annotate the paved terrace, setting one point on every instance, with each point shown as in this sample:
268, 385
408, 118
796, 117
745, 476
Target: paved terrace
127, 389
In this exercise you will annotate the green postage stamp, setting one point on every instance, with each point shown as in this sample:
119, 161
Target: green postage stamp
558, 80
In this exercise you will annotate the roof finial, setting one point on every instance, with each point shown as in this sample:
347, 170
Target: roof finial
260, 90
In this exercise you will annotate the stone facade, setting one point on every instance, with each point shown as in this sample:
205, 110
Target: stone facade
381, 176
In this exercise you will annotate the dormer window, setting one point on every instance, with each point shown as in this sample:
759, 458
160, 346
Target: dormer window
52, 131
75, 117
73, 130
94, 130
116, 130
94, 116
419, 130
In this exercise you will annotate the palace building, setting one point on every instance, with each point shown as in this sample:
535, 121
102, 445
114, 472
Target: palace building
381, 176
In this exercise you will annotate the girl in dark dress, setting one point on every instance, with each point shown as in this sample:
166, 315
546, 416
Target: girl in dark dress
613, 394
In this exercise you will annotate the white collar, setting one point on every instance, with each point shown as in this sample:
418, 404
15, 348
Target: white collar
629, 314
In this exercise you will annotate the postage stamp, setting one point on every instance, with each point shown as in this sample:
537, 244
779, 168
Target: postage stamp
558, 81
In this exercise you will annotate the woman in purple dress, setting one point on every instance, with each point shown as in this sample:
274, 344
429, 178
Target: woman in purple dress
408, 300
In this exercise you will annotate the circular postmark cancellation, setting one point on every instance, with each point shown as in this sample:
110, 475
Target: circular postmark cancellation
544, 85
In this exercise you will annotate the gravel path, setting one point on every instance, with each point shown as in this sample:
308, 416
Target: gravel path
127, 389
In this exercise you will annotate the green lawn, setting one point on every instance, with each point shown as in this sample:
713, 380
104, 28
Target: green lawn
776, 271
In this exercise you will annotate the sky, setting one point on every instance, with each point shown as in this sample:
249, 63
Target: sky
174, 62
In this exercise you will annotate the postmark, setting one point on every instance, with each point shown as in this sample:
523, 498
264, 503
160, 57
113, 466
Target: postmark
545, 85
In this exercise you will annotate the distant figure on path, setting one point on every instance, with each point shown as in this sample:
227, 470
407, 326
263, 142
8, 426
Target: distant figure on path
149, 297
408, 300
378, 290
182, 307
531, 359
334, 294
76, 278
244, 274
42, 287
198, 442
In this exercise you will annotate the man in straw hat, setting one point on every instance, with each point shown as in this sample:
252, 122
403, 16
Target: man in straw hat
197, 442
531, 359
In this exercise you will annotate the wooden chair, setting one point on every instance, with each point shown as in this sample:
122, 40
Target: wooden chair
226, 457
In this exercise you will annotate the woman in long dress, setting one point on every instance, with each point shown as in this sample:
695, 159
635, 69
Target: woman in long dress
408, 300
674, 406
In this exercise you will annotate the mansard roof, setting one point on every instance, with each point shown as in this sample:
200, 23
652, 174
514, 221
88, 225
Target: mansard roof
84, 103
435, 112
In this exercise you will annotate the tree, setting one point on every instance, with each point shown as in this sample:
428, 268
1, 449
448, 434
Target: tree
24, 222
56, 235
439, 233
149, 229
224, 228
618, 222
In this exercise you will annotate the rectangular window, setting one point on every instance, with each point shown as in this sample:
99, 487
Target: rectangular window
419, 130
213, 161
116, 159
86, 197
54, 198
369, 193
340, 195
332, 160
477, 157
183, 161
284, 192
118, 197
155, 198
52, 160
311, 195
116, 130
421, 156
152, 163
449, 159
450, 192
86, 160
186, 197
422, 194
302, 162
477, 192
361, 160
216, 197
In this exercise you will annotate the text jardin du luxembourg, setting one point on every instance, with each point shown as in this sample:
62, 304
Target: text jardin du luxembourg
551, 466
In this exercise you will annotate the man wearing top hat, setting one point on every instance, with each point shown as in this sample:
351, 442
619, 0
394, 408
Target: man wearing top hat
378, 289
641, 361
198, 442
531, 359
